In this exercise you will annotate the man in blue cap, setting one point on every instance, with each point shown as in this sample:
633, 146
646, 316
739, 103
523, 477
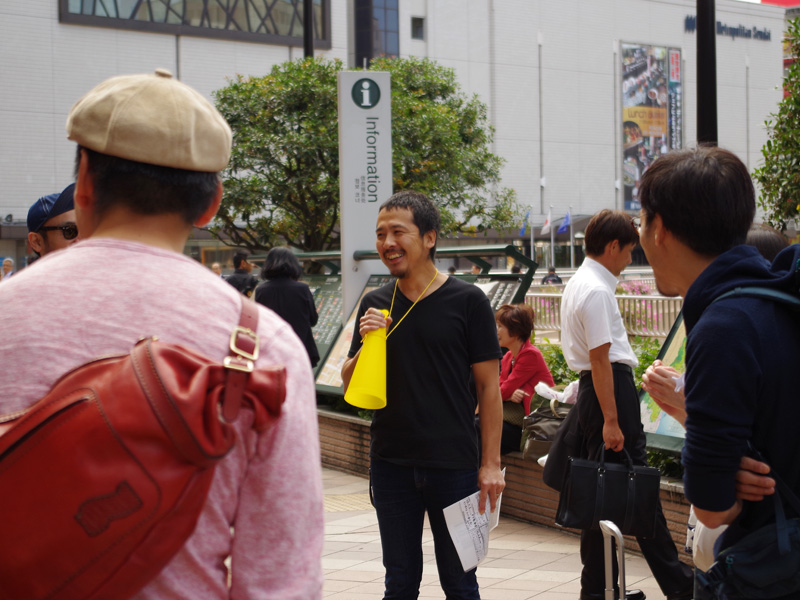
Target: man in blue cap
51, 222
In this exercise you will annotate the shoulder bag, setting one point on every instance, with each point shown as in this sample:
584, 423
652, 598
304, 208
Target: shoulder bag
540, 427
105, 477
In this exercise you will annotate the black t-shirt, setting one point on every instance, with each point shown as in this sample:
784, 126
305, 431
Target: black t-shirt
242, 281
429, 416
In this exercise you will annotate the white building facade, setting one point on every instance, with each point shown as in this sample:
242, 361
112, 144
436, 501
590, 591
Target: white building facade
583, 94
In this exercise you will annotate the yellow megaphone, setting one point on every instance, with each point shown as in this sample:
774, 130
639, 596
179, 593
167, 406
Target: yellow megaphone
367, 387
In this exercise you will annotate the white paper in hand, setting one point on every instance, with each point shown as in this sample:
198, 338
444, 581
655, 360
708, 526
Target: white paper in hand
470, 530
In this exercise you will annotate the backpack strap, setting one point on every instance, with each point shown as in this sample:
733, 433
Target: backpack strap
783, 493
764, 293
244, 345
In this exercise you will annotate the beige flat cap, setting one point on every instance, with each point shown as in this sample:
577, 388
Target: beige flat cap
153, 119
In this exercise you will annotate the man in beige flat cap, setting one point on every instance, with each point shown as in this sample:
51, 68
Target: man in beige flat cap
150, 151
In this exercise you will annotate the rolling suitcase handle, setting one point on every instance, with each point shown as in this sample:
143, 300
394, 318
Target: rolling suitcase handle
609, 529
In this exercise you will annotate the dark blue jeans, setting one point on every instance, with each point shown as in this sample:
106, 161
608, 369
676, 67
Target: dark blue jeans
401, 496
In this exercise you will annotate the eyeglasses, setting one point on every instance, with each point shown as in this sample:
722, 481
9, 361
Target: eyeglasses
68, 230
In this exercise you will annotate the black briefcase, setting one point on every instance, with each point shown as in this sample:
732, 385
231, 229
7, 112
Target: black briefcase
595, 490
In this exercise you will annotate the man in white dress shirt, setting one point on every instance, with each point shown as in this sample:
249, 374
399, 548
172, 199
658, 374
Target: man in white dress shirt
595, 344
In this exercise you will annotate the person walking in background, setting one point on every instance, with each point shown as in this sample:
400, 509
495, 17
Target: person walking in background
216, 268
290, 298
51, 222
551, 277
137, 199
596, 345
241, 278
521, 369
425, 452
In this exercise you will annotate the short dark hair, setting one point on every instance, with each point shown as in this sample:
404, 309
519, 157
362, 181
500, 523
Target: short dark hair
424, 213
281, 263
239, 258
767, 240
704, 196
517, 318
608, 226
146, 189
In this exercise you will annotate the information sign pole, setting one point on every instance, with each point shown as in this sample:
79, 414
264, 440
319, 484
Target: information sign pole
365, 171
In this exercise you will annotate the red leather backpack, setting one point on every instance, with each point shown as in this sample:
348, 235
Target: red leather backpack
103, 479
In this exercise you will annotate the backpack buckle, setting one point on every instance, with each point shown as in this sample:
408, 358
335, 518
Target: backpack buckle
237, 363
246, 335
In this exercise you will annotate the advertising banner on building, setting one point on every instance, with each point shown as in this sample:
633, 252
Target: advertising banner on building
365, 171
652, 111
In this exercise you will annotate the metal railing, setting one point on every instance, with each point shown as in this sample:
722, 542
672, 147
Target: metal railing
650, 316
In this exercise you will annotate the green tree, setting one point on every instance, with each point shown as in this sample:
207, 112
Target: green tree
282, 184
779, 177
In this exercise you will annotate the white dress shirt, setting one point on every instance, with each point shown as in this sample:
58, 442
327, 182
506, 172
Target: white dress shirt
590, 317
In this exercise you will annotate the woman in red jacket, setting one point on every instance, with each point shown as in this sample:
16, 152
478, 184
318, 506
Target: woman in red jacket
521, 368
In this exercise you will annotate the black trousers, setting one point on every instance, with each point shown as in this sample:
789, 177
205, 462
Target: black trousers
672, 575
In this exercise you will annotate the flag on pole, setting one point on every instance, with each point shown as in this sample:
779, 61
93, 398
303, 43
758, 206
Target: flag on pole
564, 224
546, 227
525, 223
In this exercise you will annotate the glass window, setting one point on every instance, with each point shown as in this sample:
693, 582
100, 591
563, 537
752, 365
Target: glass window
392, 44
377, 29
159, 12
254, 20
174, 13
392, 21
379, 19
417, 28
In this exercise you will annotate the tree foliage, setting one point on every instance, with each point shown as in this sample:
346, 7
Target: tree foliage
282, 184
779, 177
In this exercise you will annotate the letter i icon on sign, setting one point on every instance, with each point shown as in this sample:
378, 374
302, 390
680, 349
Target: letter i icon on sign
365, 101
366, 93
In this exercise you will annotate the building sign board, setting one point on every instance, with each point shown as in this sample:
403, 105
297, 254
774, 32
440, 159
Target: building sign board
652, 111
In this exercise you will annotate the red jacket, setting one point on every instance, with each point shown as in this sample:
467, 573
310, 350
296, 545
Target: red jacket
529, 369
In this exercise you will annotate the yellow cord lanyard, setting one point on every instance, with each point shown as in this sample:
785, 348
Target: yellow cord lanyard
412, 306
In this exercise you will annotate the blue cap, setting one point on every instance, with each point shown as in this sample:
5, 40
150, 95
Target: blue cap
47, 207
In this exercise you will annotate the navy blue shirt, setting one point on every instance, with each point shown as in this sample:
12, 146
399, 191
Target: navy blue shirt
742, 363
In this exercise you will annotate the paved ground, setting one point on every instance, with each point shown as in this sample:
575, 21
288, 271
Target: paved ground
524, 561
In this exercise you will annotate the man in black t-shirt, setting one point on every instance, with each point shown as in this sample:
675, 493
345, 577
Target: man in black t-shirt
425, 452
